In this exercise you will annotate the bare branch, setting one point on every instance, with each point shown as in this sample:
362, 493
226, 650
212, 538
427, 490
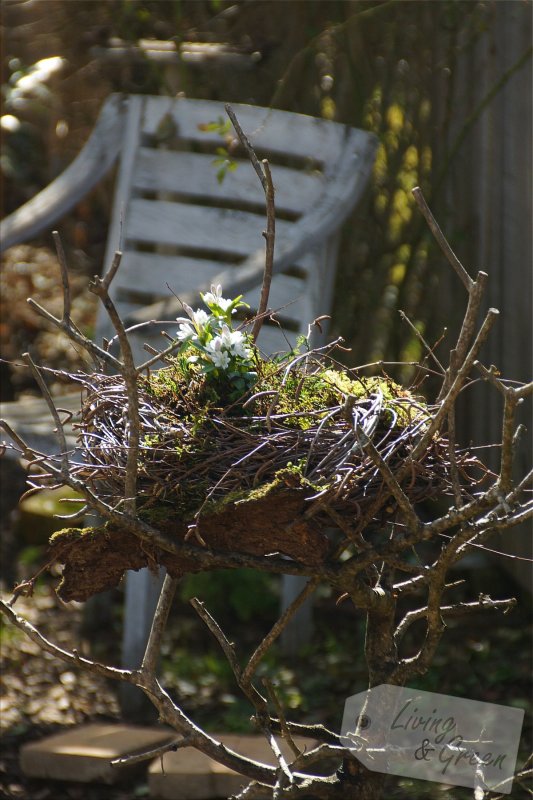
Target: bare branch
220, 636
159, 356
475, 296
285, 732
149, 755
270, 237
524, 391
263, 172
525, 483
275, 631
457, 384
508, 431
427, 347
53, 410
285, 775
452, 611
98, 353
454, 471
441, 239
64, 276
257, 700
69, 657
164, 604
475, 291
173, 715
319, 753
100, 286
112, 271
247, 146
399, 495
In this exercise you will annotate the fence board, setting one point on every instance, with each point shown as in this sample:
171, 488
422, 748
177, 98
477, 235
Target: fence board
488, 202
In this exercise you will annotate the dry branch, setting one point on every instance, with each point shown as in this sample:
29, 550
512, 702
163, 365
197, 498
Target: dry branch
263, 172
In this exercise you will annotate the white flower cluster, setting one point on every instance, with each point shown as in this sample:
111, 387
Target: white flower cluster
228, 343
217, 346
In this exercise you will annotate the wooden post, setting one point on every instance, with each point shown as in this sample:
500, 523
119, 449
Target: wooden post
142, 590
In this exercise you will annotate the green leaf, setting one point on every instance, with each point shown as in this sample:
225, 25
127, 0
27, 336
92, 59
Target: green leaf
221, 173
221, 126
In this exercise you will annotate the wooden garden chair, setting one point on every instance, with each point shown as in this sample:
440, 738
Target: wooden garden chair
180, 225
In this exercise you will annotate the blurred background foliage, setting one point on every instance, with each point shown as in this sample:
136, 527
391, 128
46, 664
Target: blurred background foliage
390, 67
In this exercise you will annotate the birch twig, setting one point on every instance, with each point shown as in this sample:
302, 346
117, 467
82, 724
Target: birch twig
263, 171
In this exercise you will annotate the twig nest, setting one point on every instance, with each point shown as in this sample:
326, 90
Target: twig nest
281, 471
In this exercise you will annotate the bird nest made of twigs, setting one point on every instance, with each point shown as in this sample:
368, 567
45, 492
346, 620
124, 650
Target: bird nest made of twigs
271, 474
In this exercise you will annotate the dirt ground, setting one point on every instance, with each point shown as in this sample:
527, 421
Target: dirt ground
41, 696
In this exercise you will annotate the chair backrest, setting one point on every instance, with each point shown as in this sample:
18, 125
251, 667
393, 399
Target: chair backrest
180, 226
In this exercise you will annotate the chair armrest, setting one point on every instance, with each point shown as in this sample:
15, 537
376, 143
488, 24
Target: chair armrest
95, 159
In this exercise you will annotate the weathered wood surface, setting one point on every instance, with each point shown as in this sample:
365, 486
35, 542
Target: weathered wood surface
190, 175
96, 158
488, 201
199, 231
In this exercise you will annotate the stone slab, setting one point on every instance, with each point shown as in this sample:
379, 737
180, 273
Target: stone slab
84, 754
191, 775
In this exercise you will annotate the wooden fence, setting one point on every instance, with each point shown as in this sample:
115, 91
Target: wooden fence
487, 200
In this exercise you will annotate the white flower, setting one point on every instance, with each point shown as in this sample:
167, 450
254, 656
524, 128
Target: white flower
188, 328
185, 330
216, 352
214, 298
199, 318
235, 342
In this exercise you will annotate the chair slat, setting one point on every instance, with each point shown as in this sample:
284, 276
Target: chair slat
147, 277
149, 273
236, 233
268, 129
194, 175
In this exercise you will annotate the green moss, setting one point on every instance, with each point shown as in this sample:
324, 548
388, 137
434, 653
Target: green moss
240, 496
73, 534
291, 393
291, 475
319, 392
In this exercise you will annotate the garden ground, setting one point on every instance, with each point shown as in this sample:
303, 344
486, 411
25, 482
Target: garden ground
481, 658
